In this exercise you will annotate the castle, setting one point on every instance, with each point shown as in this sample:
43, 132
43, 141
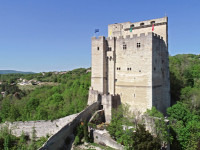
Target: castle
131, 65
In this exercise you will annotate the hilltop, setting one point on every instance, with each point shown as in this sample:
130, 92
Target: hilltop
14, 71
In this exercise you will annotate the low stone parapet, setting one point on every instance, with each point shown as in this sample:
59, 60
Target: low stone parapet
41, 127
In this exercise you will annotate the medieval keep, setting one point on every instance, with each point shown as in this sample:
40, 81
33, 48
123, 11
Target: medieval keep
131, 66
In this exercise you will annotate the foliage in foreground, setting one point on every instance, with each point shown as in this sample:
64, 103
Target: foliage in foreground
81, 133
138, 138
185, 127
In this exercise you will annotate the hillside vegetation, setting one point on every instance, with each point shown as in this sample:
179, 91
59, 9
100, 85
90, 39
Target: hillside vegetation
13, 71
67, 93
45, 102
183, 116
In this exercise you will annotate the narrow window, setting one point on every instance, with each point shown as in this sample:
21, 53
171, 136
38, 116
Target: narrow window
139, 70
124, 46
154, 68
127, 68
131, 26
152, 22
109, 49
141, 24
138, 45
97, 48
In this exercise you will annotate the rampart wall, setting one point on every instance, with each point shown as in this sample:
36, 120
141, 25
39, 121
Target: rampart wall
61, 139
41, 127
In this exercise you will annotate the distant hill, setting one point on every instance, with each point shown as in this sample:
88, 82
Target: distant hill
14, 71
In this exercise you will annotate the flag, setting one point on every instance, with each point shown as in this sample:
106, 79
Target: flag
96, 30
153, 27
131, 29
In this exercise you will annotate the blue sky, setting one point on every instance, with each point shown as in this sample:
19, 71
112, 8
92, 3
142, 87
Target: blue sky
55, 35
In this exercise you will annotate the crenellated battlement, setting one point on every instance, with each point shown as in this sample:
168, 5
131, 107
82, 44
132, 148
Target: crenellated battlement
154, 35
110, 38
133, 63
141, 35
138, 25
158, 26
98, 38
157, 36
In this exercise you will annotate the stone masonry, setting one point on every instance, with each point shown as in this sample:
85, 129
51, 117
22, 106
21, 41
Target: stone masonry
132, 62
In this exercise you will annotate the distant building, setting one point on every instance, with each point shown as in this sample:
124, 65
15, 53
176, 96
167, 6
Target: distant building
3, 94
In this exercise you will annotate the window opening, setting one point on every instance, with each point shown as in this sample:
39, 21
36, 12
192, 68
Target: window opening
141, 24
97, 48
138, 45
124, 46
152, 22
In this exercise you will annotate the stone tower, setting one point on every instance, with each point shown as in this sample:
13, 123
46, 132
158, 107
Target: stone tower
132, 62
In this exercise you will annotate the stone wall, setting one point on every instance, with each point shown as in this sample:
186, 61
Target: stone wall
107, 106
133, 64
123, 29
41, 127
62, 139
102, 137
134, 78
98, 77
93, 96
